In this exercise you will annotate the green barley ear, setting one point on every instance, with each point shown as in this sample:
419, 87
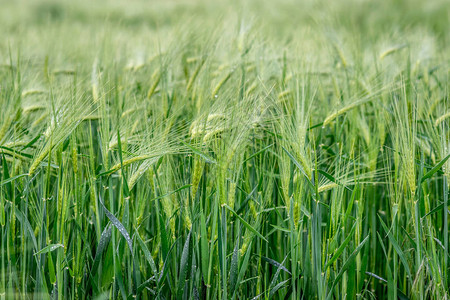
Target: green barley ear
253, 209
5, 127
197, 174
143, 167
327, 187
285, 177
284, 95
95, 81
65, 117
232, 194
340, 55
349, 107
37, 161
391, 51
442, 118
74, 156
156, 78
186, 214
296, 215
220, 84
195, 74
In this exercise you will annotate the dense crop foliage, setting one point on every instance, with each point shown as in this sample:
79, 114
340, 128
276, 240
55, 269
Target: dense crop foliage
224, 150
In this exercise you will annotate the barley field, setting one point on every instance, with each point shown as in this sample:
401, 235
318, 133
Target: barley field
254, 149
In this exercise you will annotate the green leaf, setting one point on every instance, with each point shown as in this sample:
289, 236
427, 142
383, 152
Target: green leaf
49, 248
244, 264
204, 245
6, 177
257, 153
346, 265
147, 254
118, 225
435, 169
341, 247
163, 236
434, 210
275, 264
332, 179
350, 204
165, 268
102, 244
12, 179
299, 166
172, 192
397, 248
23, 154
32, 142
183, 267
248, 226
51, 268
234, 268
20, 216
390, 281
277, 287
272, 287
203, 155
